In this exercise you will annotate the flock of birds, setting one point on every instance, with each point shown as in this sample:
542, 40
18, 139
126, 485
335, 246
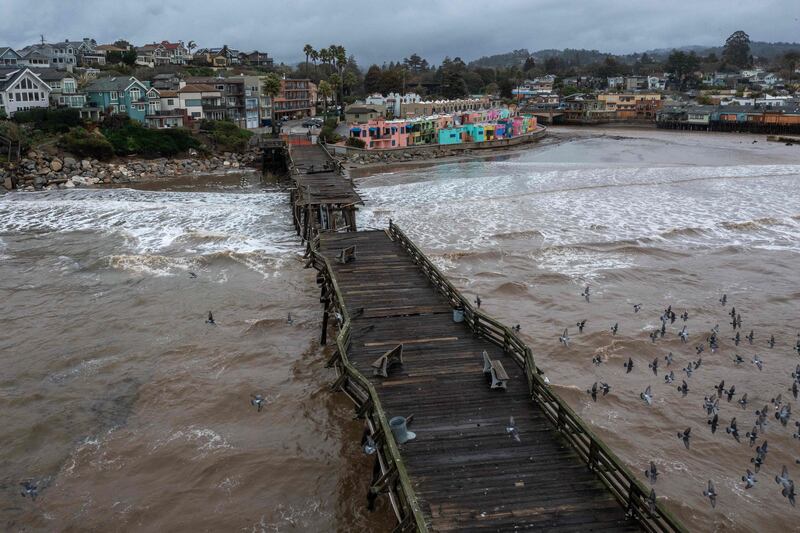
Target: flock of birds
782, 410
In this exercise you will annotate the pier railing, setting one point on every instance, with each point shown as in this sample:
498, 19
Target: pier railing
394, 477
628, 490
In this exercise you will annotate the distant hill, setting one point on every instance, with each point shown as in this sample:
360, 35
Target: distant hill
580, 57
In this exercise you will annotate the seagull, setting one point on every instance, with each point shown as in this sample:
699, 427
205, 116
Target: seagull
651, 502
516, 328
711, 493
651, 473
724, 299
29, 488
512, 430
737, 359
668, 358
758, 362
580, 325
771, 342
257, 400
597, 359
731, 392
750, 337
688, 370
784, 414
796, 373
793, 389
750, 479
761, 455
737, 339
585, 293
788, 492
700, 348
669, 378
614, 328
752, 435
654, 335
720, 388
654, 366
783, 479
683, 388
478, 301
713, 423
628, 365
777, 401
637, 308
698, 363
210, 319
685, 316
192, 275
593, 391
711, 406
685, 435
647, 396
564, 338
289, 319
605, 388
684, 335
733, 430
743, 400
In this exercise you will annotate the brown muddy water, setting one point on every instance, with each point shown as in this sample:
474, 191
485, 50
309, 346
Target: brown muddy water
130, 413
126, 409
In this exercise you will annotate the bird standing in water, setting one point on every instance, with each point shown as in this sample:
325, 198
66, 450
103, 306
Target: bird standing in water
210, 319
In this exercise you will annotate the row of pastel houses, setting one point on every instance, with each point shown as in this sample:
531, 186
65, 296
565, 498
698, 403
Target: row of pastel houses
456, 128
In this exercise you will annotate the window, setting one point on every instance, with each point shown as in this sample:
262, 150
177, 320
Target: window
135, 93
170, 101
114, 95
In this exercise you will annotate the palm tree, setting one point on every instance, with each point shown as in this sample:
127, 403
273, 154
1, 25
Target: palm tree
308, 50
324, 56
271, 86
314, 57
324, 90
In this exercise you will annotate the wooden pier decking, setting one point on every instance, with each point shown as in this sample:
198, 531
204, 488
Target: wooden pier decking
464, 471
322, 199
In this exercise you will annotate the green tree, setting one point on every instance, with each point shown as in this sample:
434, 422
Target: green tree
415, 63
129, 57
271, 86
372, 79
790, 61
391, 81
737, 50
529, 65
681, 65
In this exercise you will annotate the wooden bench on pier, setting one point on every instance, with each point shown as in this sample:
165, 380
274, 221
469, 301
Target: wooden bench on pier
347, 255
495, 369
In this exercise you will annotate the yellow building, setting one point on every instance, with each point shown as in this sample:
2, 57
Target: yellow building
632, 105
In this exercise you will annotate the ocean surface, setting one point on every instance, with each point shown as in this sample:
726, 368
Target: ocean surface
129, 412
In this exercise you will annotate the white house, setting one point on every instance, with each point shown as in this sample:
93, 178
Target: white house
201, 101
63, 88
21, 89
8, 57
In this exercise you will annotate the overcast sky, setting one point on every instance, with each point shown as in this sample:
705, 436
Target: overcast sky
379, 30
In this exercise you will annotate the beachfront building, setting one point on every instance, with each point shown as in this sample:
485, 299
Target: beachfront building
434, 107
632, 106
123, 95
22, 89
297, 99
363, 113
64, 88
8, 57
444, 129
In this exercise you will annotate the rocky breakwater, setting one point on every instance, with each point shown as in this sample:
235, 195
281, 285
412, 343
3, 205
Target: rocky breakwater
395, 156
39, 171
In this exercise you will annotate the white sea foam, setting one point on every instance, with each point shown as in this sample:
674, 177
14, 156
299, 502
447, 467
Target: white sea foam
158, 221
466, 207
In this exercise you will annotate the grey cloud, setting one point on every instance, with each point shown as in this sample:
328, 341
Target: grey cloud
380, 30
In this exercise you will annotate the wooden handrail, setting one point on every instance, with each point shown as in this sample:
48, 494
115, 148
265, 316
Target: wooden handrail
630, 492
413, 511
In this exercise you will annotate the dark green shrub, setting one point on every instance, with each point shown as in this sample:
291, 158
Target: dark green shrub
225, 135
50, 120
82, 143
131, 138
355, 142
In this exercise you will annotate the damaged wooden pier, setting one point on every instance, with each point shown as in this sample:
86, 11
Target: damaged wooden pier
495, 448
322, 199
466, 469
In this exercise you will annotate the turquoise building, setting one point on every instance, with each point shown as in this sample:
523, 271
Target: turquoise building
451, 135
125, 95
